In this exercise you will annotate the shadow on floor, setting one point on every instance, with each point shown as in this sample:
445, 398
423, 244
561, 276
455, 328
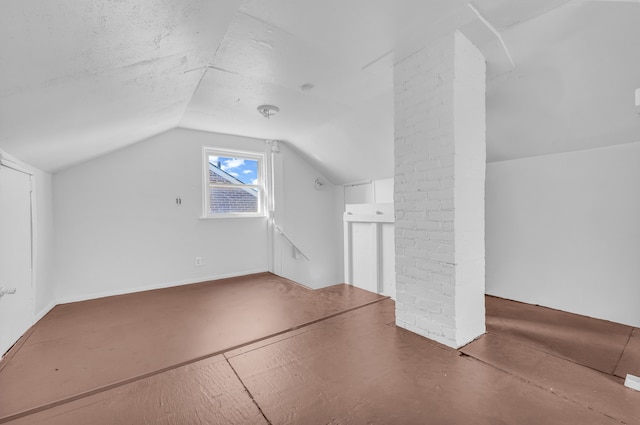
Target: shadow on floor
261, 349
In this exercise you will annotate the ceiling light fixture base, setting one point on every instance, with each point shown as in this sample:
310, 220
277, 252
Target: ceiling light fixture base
268, 111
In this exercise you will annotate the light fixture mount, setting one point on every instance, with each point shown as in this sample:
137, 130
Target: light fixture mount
268, 111
307, 87
319, 184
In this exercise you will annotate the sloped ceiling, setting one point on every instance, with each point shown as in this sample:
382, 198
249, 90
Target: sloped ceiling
573, 88
79, 78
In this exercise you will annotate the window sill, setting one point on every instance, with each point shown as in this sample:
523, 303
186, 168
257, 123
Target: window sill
227, 216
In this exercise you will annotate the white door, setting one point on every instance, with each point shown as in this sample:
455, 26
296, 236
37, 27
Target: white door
16, 302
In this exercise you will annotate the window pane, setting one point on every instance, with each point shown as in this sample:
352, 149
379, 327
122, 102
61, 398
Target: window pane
226, 170
225, 200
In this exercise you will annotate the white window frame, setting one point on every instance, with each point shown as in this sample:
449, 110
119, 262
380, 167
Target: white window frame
261, 187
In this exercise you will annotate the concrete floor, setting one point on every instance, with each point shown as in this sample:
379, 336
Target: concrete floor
263, 350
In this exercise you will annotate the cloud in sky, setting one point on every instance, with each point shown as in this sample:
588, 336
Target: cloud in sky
243, 169
232, 163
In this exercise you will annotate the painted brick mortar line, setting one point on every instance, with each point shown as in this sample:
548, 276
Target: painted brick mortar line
431, 154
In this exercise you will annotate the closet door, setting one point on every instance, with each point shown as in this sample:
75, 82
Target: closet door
369, 247
16, 300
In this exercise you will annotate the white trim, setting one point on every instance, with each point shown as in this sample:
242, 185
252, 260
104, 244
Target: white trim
348, 257
260, 157
272, 148
44, 311
234, 215
9, 161
369, 213
360, 183
296, 249
15, 164
157, 286
377, 215
632, 382
495, 32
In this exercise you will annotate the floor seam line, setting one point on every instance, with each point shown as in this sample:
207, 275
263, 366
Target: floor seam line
302, 326
13, 350
529, 382
339, 313
255, 402
228, 356
552, 354
127, 381
622, 352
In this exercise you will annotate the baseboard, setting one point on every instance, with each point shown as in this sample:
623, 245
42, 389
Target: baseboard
561, 307
44, 311
632, 382
4, 357
86, 297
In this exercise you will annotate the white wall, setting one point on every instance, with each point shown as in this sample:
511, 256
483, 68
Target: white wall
312, 219
119, 229
563, 231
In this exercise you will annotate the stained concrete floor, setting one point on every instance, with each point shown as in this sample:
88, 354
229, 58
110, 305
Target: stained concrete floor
263, 350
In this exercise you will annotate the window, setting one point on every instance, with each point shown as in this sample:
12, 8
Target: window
234, 184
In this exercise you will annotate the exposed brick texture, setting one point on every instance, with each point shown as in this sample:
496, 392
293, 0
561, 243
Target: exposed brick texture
440, 158
233, 199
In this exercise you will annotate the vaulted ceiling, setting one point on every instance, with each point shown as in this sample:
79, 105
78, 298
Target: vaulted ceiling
79, 78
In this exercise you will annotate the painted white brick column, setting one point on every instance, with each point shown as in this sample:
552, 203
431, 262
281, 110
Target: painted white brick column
440, 158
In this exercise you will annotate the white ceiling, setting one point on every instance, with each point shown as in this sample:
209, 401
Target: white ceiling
79, 78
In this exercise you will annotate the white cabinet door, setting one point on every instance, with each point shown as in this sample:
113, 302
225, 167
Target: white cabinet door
16, 302
369, 247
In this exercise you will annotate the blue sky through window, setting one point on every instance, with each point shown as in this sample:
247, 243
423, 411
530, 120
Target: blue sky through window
245, 170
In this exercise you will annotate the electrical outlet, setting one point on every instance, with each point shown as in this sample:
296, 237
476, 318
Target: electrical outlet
198, 261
